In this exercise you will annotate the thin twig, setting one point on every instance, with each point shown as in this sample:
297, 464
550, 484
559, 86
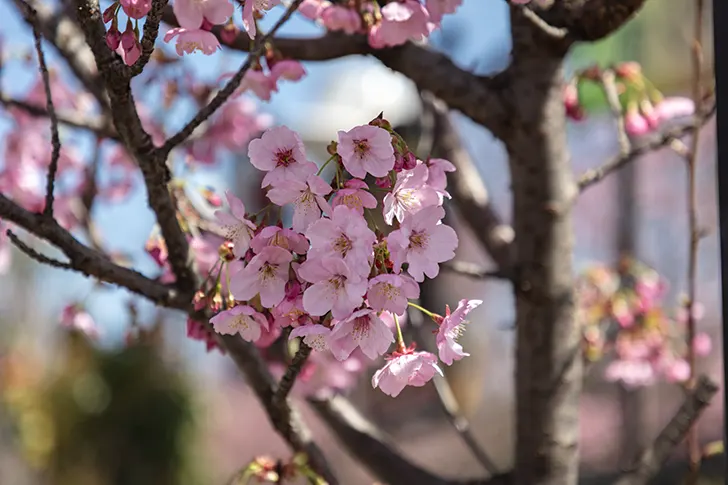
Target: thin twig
609, 86
664, 139
289, 378
693, 443
450, 406
55, 139
229, 88
33, 254
651, 460
151, 31
473, 270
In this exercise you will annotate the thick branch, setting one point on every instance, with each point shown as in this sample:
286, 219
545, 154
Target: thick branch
652, 459
589, 19
117, 78
289, 378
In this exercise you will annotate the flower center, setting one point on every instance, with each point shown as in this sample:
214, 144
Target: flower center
267, 271
240, 322
351, 200
361, 329
361, 147
284, 158
337, 282
342, 245
279, 240
418, 240
388, 291
317, 342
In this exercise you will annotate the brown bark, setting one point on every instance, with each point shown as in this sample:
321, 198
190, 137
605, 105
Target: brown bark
548, 358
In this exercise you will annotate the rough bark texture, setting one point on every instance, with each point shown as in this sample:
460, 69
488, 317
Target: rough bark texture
548, 361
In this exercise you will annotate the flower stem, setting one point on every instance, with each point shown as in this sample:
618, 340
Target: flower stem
423, 310
400, 338
325, 163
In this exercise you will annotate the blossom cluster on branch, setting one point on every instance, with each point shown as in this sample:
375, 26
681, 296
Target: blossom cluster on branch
623, 313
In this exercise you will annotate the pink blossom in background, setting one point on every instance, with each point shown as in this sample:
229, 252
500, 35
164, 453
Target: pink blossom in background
314, 336
198, 331
632, 373
437, 169
307, 199
347, 236
366, 149
450, 330
363, 329
287, 69
411, 193
311, 9
260, 83
250, 8
401, 21
422, 241
190, 41
191, 13
390, 292
702, 344
241, 319
266, 274
281, 153
674, 107
406, 369
355, 196
76, 318
269, 335
335, 288
336, 17
237, 228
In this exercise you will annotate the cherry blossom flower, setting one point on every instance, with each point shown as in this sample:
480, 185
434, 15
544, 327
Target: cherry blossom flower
677, 107
438, 8
677, 370
260, 83
422, 241
410, 194
190, 41
347, 236
436, 174
283, 238
266, 274
314, 336
287, 69
75, 317
406, 368
391, 291
336, 17
237, 228
136, 9
354, 195
635, 124
366, 149
242, 319
401, 21
250, 8
632, 373
289, 311
335, 287
192, 13
451, 328
307, 199
702, 344
311, 9
363, 329
199, 331
281, 153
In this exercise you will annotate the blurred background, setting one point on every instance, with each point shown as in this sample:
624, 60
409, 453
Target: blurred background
71, 406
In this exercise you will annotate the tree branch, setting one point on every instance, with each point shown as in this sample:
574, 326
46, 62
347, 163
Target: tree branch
474, 271
229, 88
116, 77
33, 254
151, 31
653, 458
289, 378
588, 20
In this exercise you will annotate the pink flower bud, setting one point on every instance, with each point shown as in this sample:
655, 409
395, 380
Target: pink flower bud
670, 108
648, 111
128, 39
410, 161
635, 124
383, 183
398, 162
110, 13
293, 289
113, 38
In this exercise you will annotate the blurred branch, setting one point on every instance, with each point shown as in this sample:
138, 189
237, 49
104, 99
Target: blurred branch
472, 270
467, 188
116, 77
609, 85
652, 459
74, 120
658, 141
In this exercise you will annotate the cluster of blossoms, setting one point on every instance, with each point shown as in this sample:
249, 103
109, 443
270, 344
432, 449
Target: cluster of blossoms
264, 469
644, 107
622, 312
340, 277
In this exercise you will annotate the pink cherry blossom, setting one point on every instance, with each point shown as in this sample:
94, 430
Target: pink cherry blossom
270, 336
136, 9
632, 373
190, 41
75, 317
410, 194
129, 52
677, 370
237, 228
702, 344
391, 291
401, 21
289, 311
366, 149
198, 331
451, 328
347, 236
250, 8
260, 83
676, 107
363, 329
635, 124
335, 287
281, 153
284, 238
436, 174
192, 13
336, 17
314, 336
287, 69
406, 369
311, 9
422, 242
354, 195
242, 319
266, 274
438, 8
307, 199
